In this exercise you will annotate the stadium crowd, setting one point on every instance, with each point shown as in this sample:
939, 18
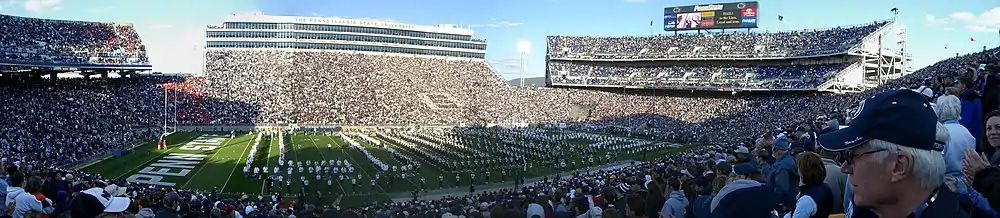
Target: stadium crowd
43, 41
735, 77
613, 191
747, 142
58, 123
726, 45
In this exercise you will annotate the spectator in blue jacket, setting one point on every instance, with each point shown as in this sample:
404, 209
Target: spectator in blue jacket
676, 202
702, 205
784, 177
959, 139
972, 109
3, 189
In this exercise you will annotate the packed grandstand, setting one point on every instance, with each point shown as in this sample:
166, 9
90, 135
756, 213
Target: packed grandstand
793, 60
51, 124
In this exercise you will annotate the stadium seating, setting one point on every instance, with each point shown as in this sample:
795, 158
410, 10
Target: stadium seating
55, 123
730, 45
712, 77
34, 41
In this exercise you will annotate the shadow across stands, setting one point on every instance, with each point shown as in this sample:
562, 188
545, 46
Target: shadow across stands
65, 122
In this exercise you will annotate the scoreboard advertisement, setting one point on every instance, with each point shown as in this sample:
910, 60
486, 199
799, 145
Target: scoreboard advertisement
710, 16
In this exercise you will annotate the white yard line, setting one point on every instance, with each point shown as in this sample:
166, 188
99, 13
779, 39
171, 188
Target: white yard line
324, 159
237, 165
215, 152
267, 164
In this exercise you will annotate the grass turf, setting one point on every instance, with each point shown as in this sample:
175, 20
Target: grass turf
222, 167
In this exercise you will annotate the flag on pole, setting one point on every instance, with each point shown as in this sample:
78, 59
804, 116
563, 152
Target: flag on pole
972, 39
650, 23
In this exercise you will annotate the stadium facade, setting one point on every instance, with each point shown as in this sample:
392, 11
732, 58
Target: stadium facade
258, 30
839, 59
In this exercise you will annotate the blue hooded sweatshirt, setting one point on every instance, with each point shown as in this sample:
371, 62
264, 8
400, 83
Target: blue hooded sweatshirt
972, 113
745, 199
675, 204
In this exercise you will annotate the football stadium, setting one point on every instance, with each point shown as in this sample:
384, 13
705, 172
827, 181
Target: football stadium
335, 117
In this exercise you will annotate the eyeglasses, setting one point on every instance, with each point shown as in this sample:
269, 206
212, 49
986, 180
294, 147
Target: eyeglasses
852, 156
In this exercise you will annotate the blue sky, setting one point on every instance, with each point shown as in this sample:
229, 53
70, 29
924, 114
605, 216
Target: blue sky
174, 30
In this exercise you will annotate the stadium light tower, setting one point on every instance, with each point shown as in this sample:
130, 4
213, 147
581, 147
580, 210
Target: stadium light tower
523, 47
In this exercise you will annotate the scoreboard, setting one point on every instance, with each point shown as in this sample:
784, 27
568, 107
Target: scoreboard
710, 16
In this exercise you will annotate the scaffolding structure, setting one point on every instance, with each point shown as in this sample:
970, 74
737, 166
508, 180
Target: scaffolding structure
877, 62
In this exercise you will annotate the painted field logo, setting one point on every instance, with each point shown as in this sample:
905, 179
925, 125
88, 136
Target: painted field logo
178, 164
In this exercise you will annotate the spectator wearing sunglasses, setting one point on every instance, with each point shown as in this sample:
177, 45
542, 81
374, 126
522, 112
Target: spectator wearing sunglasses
894, 158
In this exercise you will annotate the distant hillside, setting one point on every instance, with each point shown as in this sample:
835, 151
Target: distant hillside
528, 82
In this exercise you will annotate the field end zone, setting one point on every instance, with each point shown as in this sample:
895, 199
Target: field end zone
178, 165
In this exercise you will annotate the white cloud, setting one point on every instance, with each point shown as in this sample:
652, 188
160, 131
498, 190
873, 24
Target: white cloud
506, 63
102, 10
931, 19
988, 20
42, 6
976, 28
494, 23
963, 16
507, 67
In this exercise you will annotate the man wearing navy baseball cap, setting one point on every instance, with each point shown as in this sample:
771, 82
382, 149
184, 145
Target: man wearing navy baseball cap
895, 164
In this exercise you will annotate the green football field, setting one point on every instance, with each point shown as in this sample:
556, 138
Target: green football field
202, 161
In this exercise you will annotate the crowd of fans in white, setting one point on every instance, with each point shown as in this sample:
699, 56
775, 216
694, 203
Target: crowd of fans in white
41, 41
726, 45
566, 51
51, 123
733, 77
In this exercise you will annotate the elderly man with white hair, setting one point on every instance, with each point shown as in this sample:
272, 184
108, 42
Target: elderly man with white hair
895, 164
